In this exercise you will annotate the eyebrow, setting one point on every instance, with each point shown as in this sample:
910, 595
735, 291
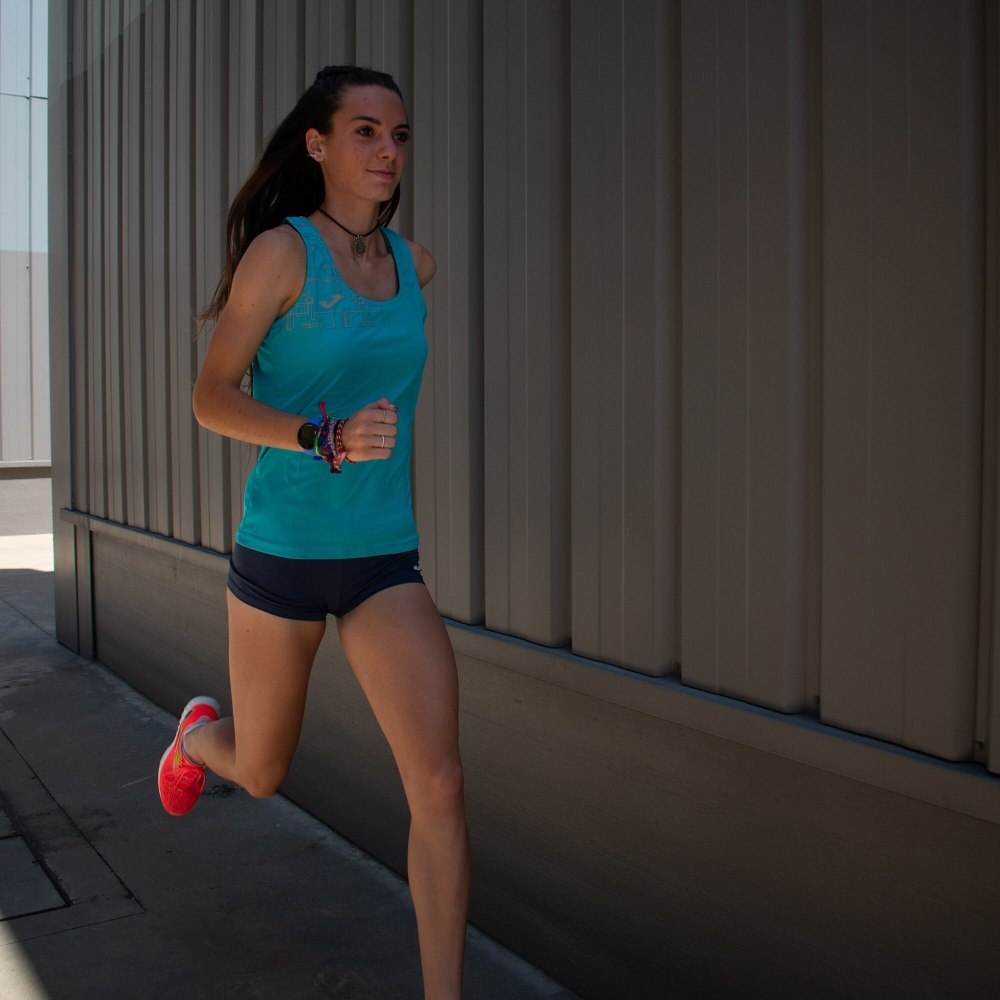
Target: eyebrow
375, 121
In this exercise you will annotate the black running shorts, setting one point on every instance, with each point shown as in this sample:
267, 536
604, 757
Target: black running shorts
310, 589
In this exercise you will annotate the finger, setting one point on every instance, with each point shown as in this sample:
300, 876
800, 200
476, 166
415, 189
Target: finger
370, 454
385, 404
375, 428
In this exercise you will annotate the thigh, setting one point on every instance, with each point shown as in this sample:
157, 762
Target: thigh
400, 652
270, 659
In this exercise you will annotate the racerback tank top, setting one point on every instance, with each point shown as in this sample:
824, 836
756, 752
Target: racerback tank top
345, 350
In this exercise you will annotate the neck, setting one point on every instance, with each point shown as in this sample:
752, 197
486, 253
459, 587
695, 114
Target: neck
355, 215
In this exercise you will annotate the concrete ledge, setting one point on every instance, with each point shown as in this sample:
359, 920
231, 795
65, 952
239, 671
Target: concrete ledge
25, 470
966, 788
194, 554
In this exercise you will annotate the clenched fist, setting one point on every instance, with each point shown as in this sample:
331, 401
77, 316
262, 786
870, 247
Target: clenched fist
371, 432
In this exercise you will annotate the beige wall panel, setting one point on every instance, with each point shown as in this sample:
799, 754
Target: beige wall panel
245, 92
903, 342
329, 35
625, 274
212, 200
159, 469
282, 55
987, 745
526, 266
94, 261
132, 318
747, 347
447, 183
114, 418
77, 171
377, 34
245, 137
181, 288
61, 194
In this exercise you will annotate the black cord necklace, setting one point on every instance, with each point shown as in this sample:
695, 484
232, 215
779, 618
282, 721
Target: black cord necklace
359, 238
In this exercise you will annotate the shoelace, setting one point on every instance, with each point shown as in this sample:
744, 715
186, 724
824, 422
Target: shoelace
190, 775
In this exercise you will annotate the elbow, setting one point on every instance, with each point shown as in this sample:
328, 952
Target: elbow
199, 404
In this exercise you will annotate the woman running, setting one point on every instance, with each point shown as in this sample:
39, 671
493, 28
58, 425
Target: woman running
324, 304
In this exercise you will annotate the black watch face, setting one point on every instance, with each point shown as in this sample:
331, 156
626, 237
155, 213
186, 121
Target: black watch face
307, 436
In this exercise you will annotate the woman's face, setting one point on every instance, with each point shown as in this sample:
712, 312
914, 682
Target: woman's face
365, 153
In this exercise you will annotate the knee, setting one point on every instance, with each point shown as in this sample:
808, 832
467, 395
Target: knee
439, 790
262, 783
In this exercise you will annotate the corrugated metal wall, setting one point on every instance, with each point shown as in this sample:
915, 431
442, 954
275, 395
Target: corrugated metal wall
713, 364
24, 292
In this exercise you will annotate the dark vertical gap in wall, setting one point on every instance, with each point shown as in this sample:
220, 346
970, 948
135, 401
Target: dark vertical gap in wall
139, 206
79, 263
198, 529
983, 748
795, 597
973, 321
101, 62
124, 463
168, 388
561, 394
258, 117
222, 123
350, 31
404, 223
668, 312
477, 527
814, 362
300, 47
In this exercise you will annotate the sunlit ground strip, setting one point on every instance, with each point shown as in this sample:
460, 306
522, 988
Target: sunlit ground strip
18, 980
26, 552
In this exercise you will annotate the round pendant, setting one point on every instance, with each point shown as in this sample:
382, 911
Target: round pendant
359, 245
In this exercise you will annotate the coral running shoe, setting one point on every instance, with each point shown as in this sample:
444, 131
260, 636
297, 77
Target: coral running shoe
181, 779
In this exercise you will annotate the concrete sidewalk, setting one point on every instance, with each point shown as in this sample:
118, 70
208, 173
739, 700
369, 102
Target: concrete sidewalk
241, 898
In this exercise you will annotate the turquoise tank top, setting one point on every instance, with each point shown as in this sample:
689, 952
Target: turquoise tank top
345, 350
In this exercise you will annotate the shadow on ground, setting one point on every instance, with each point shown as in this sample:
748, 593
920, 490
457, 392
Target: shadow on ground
241, 898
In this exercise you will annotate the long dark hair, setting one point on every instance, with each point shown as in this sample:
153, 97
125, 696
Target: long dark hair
286, 180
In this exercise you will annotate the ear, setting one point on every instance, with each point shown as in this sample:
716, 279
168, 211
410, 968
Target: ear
314, 144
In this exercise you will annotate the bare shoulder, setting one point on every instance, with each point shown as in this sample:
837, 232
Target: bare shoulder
281, 245
423, 263
276, 260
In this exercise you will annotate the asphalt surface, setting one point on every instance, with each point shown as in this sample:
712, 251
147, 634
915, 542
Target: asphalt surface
102, 894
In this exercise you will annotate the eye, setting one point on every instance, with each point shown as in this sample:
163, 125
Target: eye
402, 137
365, 130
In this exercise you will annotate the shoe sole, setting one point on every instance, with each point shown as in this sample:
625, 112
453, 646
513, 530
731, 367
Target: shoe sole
193, 703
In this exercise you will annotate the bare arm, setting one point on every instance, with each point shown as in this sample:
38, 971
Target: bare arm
423, 263
267, 282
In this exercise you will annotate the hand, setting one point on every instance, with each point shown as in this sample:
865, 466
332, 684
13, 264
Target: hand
371, 432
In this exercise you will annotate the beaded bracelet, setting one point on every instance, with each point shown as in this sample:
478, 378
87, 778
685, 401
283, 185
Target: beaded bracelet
329, 446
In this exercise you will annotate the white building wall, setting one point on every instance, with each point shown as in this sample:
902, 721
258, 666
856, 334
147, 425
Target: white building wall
24, 322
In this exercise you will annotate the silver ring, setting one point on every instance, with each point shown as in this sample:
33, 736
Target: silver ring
382, 445
383, 416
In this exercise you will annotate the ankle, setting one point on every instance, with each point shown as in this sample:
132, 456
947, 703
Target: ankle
194, 758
